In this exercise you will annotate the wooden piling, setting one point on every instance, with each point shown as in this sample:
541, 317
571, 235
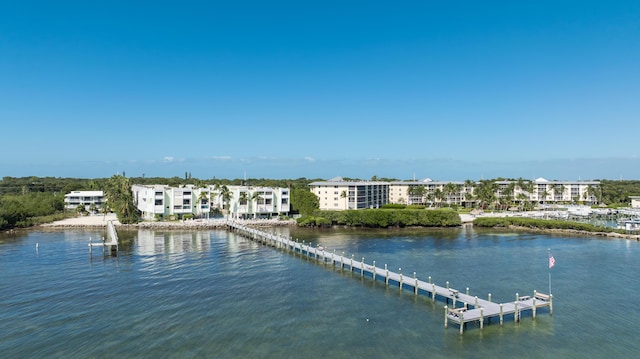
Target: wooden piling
386, 276
446, 316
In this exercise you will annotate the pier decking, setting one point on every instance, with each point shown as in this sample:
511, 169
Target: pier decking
461, 308
110, 244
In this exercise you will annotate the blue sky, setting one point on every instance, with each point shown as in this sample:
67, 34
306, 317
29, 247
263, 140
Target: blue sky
286, 89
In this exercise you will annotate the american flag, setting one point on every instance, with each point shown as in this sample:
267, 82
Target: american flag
552, 261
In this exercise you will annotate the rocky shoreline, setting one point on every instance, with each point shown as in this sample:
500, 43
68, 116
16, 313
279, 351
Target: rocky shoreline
93, 222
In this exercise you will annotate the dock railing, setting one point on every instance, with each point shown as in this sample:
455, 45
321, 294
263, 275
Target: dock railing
461, 307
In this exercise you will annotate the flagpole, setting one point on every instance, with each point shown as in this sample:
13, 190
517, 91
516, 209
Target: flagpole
550, 265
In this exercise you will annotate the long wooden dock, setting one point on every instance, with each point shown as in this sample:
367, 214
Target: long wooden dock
461, 308
110, 244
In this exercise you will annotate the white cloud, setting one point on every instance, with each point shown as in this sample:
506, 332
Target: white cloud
221, 158
309, 159
171, 159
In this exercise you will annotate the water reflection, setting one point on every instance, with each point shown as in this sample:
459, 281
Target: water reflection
150, 242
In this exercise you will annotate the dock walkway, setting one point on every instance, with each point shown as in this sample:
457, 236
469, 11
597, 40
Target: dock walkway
110, 244
461, 307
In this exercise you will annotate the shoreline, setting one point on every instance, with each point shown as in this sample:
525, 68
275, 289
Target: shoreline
100, 221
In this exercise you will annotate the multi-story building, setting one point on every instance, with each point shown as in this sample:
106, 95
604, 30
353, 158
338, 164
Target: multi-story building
544, 191
255, 202
428, 192
84, 198
338, 194
243, 202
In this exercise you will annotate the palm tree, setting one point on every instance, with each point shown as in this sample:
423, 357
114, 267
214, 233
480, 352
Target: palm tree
469, 187
438, 195
243, 198
561, 189
527, 187
414, 192
486, 193
593, 192
523, 198
543, 196
344, 195
506, 194
450, 189
224, 196
429, 198
558, 191
255, 197
203, 199
120, 197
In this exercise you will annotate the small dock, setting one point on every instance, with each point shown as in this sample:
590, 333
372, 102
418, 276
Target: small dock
461, 307
110, 244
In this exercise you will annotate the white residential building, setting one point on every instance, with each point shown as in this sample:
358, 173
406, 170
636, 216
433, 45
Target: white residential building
545, 191
85, 198
338, 194
256, 202
245, 202
428, 191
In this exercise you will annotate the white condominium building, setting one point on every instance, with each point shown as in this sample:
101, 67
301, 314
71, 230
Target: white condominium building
85, 198
428, 191
338, 194
162, 201
242, 201
544, 191
254, 202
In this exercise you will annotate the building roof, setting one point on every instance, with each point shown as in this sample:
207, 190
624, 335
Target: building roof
85, 194
348, 183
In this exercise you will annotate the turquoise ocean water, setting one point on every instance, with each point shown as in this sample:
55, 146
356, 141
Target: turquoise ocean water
211, 294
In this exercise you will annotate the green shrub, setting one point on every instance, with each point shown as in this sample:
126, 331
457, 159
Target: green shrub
384, 218
534, 223
393, 206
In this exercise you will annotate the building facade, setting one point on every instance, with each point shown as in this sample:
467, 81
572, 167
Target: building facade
428, 192
84, 198
161, 201
258, 202
339, 195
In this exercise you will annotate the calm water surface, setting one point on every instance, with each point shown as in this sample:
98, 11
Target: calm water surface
213, 294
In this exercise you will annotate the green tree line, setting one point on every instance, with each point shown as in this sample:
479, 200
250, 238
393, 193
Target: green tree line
25, 210
383, 218
533, 223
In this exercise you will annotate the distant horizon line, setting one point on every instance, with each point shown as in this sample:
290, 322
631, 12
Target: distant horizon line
346, 179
